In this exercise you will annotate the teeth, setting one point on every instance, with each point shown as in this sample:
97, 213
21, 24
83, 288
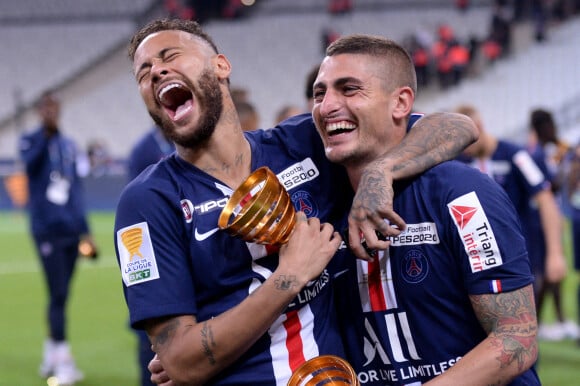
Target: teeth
344, 125
167, 88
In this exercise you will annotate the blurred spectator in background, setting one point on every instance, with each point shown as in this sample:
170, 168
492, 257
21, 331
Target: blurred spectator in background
459, 59
328, 35
308, 90
421, 60
451, 57
58, 224
151, 148
339, 6
462, 5
513, 168
249, 117
572, 189
501, 26
148, 150
548, 152
286, 112
240, 94
439, 53
540, 18
205, 10
99, 158
544, 140
248, 114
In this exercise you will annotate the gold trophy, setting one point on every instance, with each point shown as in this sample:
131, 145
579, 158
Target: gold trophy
324, 370
260, 210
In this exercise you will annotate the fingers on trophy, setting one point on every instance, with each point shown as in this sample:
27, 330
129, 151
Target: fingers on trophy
261, 211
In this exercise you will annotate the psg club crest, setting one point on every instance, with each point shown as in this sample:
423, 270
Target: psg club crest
414, 267
304, 202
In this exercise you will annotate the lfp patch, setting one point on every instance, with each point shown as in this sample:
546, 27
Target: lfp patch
136, 256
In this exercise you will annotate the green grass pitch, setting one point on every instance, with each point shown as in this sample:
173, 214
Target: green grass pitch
103, 344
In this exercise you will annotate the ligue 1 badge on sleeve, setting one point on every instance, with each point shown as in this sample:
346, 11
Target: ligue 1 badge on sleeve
328, 370
259, 210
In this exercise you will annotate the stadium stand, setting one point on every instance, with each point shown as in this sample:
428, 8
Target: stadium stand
272, 50
86, 61
544, 75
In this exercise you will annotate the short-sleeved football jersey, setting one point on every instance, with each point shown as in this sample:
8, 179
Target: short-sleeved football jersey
175, 261
411, 318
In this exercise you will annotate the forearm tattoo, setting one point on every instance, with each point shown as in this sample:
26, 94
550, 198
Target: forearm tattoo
375, 191
510, 320
208, 342
284, 283
433, 139
165, 335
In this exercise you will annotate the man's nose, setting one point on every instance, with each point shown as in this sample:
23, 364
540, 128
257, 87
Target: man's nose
330, 103
158, 71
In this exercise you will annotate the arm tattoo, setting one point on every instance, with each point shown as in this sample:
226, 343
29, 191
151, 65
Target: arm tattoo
165, 335
374, 192
510, 320
284, 283
433, 139
207, 341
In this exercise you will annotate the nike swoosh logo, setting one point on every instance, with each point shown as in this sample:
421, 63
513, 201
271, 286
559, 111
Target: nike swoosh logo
340, 273
205, 235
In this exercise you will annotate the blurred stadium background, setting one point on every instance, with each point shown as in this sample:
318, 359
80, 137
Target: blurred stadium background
78, 47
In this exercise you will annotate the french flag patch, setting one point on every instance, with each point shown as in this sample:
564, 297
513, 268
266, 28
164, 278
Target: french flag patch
495, 286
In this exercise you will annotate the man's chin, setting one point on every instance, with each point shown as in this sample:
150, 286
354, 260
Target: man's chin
335, 156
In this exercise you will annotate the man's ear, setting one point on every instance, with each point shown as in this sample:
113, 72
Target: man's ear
405, 97
223, 67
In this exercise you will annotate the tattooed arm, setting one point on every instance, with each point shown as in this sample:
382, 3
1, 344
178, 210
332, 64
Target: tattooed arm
510, 347
433, 139
191, 352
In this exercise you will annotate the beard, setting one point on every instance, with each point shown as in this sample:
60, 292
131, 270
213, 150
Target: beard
209, 97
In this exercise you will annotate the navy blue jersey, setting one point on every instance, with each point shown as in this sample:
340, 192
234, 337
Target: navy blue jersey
516, 171
175, 261
411, 318
56, 199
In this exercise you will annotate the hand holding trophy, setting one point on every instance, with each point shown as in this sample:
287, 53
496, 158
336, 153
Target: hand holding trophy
261, 211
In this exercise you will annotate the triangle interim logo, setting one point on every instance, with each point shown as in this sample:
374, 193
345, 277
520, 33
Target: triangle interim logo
462, 214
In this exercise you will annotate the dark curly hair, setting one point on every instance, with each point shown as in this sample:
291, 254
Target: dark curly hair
189, 26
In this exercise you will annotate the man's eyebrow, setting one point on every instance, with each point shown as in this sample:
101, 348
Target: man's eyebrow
347, 79
338, 82
161, 54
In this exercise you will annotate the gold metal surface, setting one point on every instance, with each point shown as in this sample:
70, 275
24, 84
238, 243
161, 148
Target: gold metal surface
259, 210
324, 370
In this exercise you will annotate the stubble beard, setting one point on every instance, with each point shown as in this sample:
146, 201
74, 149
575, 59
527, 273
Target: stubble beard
209, 97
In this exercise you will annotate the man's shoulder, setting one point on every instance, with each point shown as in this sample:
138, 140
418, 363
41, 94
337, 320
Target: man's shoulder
154, 176
455, 176
295, 135
452, 168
